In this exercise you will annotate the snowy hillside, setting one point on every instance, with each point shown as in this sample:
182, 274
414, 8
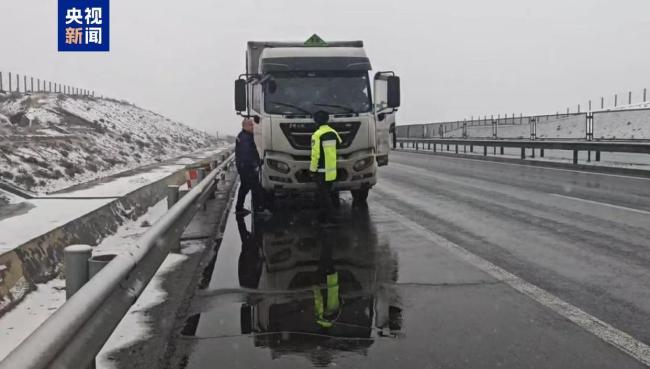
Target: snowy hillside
49, 141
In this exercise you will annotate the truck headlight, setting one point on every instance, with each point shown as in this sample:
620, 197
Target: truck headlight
363, 164
280, 166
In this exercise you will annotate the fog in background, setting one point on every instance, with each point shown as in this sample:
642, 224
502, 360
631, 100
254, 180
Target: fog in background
456, 59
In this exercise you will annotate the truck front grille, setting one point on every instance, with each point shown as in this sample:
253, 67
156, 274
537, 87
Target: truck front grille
299, 134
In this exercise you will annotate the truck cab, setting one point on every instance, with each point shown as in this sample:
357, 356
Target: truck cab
287, 82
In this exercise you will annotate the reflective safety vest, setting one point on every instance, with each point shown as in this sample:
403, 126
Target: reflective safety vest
324, 162
333, 302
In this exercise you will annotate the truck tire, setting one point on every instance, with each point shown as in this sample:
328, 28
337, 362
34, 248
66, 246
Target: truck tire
360, 197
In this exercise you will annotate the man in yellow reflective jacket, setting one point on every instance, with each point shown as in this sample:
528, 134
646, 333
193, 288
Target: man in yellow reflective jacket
323, 160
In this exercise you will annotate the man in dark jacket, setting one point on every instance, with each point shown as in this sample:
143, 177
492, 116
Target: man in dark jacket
248, 162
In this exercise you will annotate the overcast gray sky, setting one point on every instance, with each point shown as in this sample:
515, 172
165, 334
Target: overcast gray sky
456, 58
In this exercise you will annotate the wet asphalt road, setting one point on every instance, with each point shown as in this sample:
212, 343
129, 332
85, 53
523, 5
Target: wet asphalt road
407, 300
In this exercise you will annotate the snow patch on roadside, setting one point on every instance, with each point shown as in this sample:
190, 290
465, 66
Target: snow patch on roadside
136, 324
21, 321
129, 232
7, 198
17, 324
192, 247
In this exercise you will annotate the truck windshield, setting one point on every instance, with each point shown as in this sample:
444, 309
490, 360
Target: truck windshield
333, 91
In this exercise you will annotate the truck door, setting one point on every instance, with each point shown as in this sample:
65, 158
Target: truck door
386, 100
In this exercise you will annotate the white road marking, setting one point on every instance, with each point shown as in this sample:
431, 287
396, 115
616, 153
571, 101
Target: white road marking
606, 332
603, 204
533, 166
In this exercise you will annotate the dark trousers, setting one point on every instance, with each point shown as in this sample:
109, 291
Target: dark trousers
249, 182
324, 195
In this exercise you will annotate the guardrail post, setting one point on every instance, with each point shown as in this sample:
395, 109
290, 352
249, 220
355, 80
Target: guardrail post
597, 155
75, 260
523, 153
172, 196
575, 156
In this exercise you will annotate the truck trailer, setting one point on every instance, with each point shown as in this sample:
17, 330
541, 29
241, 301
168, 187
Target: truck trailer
285, 83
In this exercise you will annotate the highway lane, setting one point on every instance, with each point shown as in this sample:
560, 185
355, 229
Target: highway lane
424, 275
585, 237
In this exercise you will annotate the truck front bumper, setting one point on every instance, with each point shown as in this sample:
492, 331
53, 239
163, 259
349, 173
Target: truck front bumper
298, 177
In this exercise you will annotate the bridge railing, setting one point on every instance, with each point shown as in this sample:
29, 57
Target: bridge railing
575, 146
76, 332
628, 122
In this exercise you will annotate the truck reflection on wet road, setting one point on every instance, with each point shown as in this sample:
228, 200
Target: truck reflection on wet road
309, 290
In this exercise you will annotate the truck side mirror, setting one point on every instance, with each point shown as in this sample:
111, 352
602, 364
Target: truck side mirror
393, 92
240, 95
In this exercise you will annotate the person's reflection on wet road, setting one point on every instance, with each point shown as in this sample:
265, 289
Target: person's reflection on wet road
321, 290
250, 262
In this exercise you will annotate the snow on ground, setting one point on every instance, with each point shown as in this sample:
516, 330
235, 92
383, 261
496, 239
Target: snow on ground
43, 216
121, 186
135, 325
18, 323
131, 230
49, 142
7, 198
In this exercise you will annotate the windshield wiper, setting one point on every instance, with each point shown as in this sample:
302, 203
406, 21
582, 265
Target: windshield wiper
347, 108
291, 106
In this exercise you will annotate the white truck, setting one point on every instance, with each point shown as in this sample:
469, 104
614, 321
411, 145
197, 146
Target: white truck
287, 82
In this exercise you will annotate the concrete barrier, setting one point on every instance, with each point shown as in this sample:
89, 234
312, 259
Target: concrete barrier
624, 124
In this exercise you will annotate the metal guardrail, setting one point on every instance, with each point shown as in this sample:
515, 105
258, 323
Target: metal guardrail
73, 336
575, 146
